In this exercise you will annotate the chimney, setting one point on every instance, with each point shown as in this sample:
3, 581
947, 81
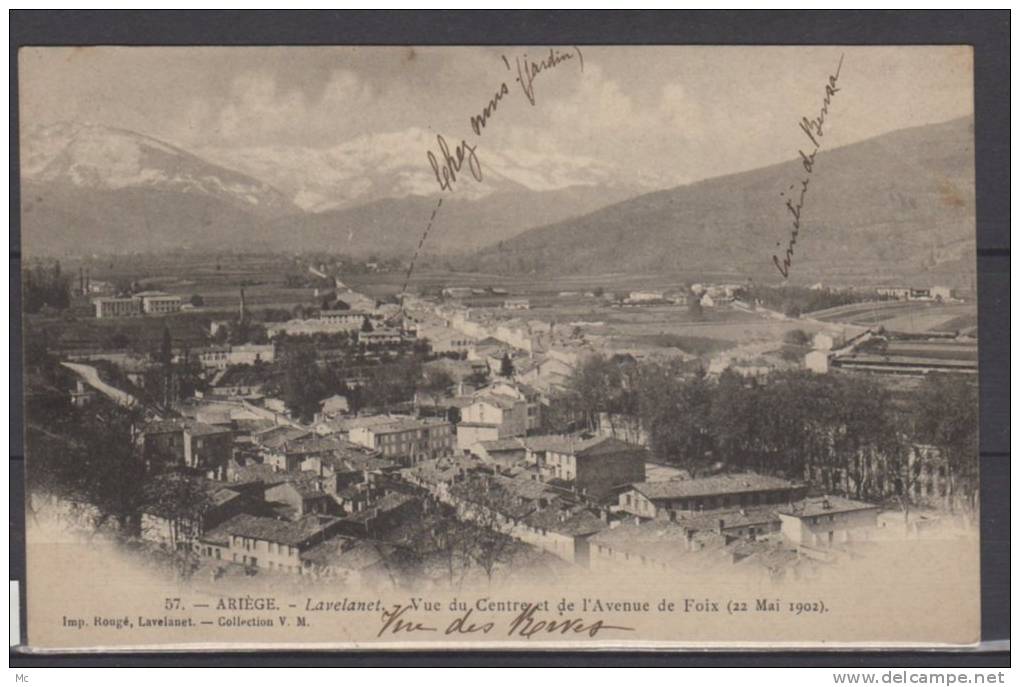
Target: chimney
721, 525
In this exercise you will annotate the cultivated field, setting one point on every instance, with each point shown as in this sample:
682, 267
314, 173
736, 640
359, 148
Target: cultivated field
911, 317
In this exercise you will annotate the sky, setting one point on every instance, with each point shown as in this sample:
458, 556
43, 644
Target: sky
677, 114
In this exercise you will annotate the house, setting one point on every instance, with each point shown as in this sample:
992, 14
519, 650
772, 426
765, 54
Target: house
546, 373
501, 502
188, 443
508, 414
742, 523
299, 498
823, 522
389, 512
348, 466
562, 531
516, 304
410, 440
356, 562
531, 396
222, 357
267, 543
741, 490
649, 545
437, 476
290, 454
276, 436
470, 434
164, 523
241, 380
592, 466
503, 452
443, 340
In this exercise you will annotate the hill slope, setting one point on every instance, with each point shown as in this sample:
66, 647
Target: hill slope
393, 226
895, 204
95, 188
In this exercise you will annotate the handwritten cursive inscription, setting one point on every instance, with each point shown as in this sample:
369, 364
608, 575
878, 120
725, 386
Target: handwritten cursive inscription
446, 173
527, 69
527, 625
394, 622
447, 165
813, 129
398, 620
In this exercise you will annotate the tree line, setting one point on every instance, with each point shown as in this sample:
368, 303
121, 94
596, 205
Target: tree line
845, 433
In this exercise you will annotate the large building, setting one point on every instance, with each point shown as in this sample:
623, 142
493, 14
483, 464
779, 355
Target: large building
107, 308
158, 302
408, 441
689, 496
145, 302
266, 542
823, 522
222, 357
591, 466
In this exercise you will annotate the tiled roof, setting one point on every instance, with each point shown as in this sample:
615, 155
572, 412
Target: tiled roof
709, 486
347, 553
574, 523
827, 505
291, 533
502, 445
392, 501
707, 520
278, 436
579, 445
407, 425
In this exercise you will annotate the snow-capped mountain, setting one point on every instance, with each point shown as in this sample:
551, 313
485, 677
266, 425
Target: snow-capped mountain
101, 158
89, 187
373, 167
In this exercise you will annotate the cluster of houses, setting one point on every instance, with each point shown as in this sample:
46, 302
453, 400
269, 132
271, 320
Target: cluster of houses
326, 499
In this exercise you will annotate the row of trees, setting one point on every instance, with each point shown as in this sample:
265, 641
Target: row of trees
845, 432
45, 286
794, 300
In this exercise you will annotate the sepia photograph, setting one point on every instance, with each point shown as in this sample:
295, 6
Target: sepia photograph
654, 347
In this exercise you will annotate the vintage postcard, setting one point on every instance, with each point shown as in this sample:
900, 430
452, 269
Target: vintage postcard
649, 347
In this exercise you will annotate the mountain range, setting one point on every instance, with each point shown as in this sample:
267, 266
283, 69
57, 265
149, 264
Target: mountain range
901, 201
109, 190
